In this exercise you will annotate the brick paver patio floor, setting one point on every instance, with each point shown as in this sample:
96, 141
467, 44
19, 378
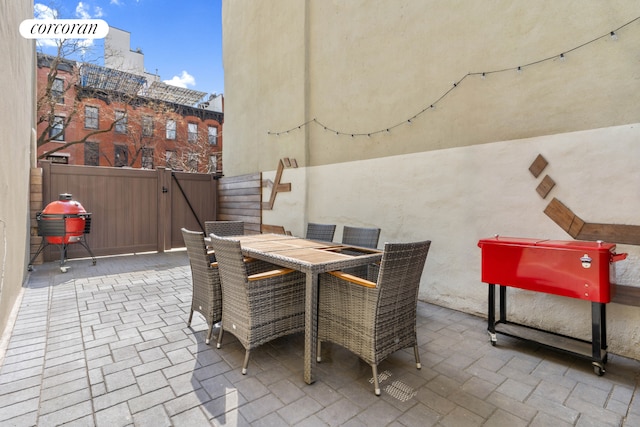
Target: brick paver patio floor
108, 345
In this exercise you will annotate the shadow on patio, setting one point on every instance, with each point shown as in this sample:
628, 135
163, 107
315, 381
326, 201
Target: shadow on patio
108, 345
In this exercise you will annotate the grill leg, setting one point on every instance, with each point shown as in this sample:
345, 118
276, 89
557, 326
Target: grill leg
63, 254
43, 245
86, 246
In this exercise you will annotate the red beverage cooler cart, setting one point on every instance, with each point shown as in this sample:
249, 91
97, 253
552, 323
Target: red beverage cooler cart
575, 269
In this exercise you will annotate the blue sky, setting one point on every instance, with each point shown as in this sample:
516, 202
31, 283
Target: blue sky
182, 40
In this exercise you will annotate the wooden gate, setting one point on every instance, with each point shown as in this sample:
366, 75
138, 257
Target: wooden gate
132, 210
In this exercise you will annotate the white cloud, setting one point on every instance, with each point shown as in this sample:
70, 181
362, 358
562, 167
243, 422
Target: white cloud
116, 2
185, 79
98, 12
82, 11
41, 11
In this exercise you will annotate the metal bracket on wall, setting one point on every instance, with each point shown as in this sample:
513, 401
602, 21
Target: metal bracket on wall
277, 186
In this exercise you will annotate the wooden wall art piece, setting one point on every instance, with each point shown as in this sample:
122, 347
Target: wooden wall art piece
575, 226
277, 186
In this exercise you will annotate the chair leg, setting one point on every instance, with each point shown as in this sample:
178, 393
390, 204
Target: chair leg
415, 351
376, 386
246, 363
318, 354
219, 344
208, 340
190, 318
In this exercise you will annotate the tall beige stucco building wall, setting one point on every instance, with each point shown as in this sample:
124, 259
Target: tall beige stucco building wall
17, 83
387, 112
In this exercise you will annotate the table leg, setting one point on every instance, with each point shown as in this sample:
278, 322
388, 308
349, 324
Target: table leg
310, 327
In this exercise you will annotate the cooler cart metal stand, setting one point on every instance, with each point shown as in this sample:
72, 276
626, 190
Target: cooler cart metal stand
575, 269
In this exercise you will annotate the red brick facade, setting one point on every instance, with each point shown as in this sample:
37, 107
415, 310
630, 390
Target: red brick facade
152, 129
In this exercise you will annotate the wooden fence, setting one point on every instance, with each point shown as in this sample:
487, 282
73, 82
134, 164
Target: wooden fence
138, 210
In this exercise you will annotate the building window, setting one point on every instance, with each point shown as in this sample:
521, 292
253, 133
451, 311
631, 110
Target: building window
147, 158
213, 135
57, 90
61, 159
192, 132
147, 126
192, 162
213, 163
91, 154
121, 122
121, 156
56, 131
91, 117
171, 159
171, 129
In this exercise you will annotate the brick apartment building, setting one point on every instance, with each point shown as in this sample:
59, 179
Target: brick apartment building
124, 119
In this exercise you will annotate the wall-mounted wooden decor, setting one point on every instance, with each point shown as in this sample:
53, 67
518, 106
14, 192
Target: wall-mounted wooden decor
538, 165
581, 230
545, 186
277, 186
575, 226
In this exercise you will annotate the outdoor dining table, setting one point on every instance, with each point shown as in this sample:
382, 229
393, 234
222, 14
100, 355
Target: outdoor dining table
311, 258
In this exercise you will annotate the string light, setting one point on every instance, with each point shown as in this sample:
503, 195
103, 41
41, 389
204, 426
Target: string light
562, 56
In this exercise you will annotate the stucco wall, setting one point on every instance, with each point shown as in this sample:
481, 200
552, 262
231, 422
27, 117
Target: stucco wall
363, 66
16, 122
457, 196
458, 172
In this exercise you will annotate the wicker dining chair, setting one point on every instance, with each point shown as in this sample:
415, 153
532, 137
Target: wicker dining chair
361, 236
257, 308
224, 228
374, 319
207, 296
323, 232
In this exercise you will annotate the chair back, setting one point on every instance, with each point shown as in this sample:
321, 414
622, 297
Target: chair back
206, 282
399, 280
275, 229
361, 236
232, 269
322, 232
224, 228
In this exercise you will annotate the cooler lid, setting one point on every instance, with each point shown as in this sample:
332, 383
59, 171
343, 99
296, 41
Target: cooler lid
546, 243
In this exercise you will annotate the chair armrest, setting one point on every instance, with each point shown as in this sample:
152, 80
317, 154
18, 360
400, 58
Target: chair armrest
353, 279
269, 274
214, 264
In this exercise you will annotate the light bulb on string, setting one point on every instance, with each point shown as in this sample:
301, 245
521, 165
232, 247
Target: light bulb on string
483, 75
